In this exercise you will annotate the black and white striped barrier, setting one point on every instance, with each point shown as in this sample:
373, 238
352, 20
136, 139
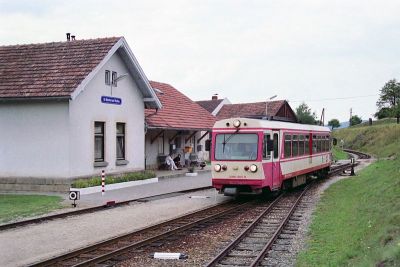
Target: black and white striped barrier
103, 182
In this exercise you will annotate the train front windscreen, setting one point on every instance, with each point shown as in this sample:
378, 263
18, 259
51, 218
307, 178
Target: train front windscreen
236, 146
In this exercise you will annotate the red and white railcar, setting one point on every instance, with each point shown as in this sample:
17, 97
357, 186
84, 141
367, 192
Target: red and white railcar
255, 156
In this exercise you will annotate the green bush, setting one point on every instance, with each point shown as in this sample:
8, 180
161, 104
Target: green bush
95, 181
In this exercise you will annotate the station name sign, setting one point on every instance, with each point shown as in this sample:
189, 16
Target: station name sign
111, 100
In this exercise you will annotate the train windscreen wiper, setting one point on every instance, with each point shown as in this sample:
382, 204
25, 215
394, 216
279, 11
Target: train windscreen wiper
227, 140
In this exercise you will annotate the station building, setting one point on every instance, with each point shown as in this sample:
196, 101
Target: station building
70, 109
180, 127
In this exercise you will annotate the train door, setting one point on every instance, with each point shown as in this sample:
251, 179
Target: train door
276, 168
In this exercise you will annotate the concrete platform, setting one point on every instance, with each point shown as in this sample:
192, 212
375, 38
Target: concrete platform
168, 182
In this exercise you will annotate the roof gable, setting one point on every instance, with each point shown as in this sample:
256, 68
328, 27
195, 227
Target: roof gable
178, 112
210, 105
255, 110
63, 69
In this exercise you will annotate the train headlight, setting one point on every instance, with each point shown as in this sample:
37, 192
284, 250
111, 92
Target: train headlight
217, 167
246, 168
236, 123
253, 168
224, 167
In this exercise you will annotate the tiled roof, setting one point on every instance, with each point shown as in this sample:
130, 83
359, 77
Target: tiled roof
49, 69
178, 112
249, 109
210, 105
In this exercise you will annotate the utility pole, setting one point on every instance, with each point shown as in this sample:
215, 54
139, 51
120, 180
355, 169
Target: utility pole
351, 115
322, 119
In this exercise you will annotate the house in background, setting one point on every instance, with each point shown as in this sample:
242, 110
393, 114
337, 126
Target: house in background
177, 128
214, 105
279, 110
70, 109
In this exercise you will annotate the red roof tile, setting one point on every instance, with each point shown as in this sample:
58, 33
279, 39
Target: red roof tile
49, 69
249, 109
178, 112
210, 105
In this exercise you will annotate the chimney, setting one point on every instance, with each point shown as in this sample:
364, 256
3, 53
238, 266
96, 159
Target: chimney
68, 37
214, 97
73, 37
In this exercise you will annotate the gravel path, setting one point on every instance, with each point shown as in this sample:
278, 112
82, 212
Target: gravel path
25, 245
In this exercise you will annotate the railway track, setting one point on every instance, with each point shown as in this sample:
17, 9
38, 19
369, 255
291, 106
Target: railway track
93, 209
109, 252
253, 245
360, 155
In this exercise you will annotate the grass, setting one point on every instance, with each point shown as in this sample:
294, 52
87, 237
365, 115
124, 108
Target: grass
95, 181
339, 154
357, 222
381, 140
14, 207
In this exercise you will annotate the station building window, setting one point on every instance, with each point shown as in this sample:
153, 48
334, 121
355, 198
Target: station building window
107, 77
120, 141
99, 141
114, 78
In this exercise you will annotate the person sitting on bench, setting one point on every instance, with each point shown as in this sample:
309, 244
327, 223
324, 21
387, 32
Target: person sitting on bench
170, 162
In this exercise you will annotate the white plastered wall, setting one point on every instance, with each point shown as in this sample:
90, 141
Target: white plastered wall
34, 140
88, 108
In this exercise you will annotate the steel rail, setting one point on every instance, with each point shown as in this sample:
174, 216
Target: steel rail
268, 246
243, 234
114, 241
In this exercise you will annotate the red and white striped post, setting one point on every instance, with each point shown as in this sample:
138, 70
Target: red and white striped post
103, 182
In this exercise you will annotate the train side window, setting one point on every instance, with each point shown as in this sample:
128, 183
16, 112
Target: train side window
266, 155
328, 143
307, 145
314, 144
318, 143
295, 146
276, 146
301, 145
288, 145
325, 144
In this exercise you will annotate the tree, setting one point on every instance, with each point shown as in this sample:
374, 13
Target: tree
389, 99
384, 113
304, 115
334, 123
355, 120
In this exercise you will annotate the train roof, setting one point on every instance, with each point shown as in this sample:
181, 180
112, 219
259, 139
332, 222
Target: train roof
257, 123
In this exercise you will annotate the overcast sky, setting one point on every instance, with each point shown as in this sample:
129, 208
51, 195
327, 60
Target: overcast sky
335, 55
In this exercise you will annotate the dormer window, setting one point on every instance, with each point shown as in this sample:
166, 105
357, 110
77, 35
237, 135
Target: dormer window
114, 78
107, 77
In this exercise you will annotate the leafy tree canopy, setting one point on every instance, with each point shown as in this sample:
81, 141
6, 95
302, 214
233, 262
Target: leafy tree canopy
389, 100
355, 120
304, 115
334, 123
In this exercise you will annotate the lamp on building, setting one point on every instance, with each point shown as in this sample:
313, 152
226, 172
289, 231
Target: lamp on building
266, 105
114, 81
